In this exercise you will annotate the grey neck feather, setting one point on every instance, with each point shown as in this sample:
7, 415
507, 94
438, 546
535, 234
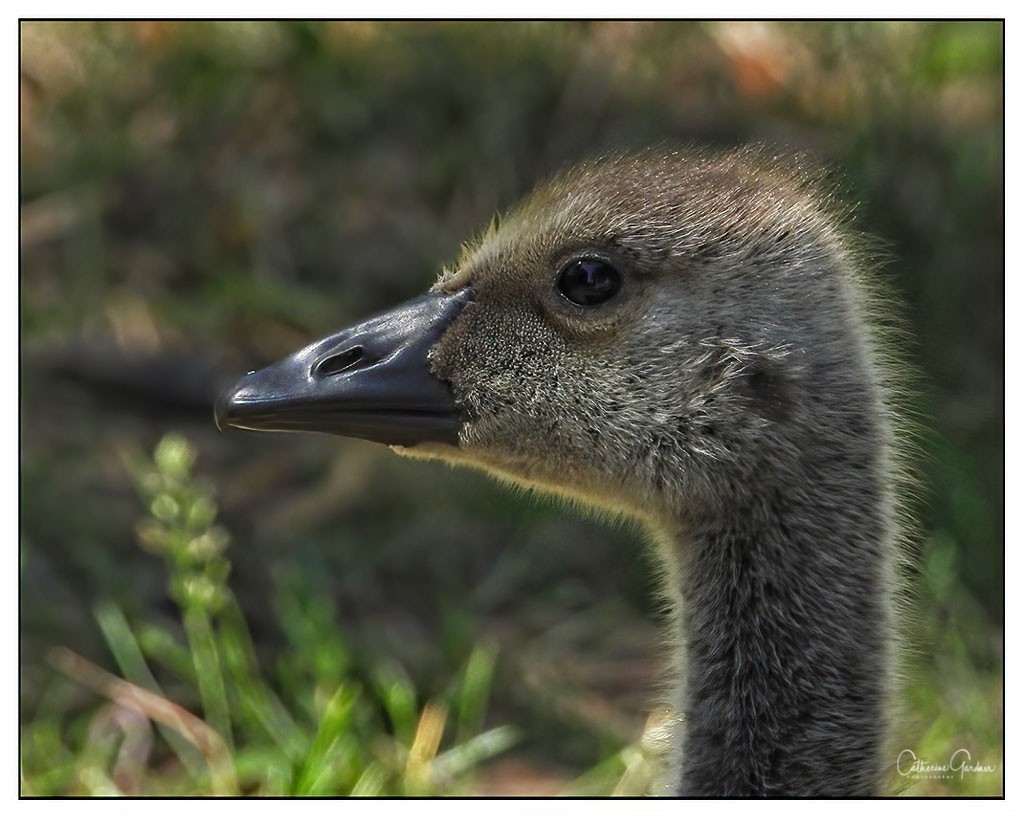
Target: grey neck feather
783, 614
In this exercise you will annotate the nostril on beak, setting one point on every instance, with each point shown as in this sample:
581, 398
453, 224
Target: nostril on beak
338, 362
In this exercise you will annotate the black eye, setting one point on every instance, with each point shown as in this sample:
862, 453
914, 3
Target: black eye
589, 281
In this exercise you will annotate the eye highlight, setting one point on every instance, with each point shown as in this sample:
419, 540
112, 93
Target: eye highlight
587, 282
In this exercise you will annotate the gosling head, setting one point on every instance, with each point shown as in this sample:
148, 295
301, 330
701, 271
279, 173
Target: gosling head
638, 333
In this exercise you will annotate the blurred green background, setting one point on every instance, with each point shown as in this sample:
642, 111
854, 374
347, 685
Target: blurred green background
198, 199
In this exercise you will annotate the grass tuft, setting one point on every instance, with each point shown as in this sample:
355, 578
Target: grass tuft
230, 727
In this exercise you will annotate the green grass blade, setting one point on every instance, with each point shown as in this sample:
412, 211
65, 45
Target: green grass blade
322, 760
206, 657
132, 662
476, 688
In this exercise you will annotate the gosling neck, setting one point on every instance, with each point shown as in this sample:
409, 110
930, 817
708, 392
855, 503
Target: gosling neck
784, 597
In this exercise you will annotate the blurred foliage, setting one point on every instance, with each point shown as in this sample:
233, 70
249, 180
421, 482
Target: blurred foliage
326, 733
198, 199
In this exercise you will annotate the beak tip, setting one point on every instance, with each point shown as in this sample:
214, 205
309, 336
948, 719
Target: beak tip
222, 408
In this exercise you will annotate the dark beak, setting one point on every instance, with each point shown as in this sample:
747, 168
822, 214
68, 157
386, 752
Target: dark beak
371, 381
